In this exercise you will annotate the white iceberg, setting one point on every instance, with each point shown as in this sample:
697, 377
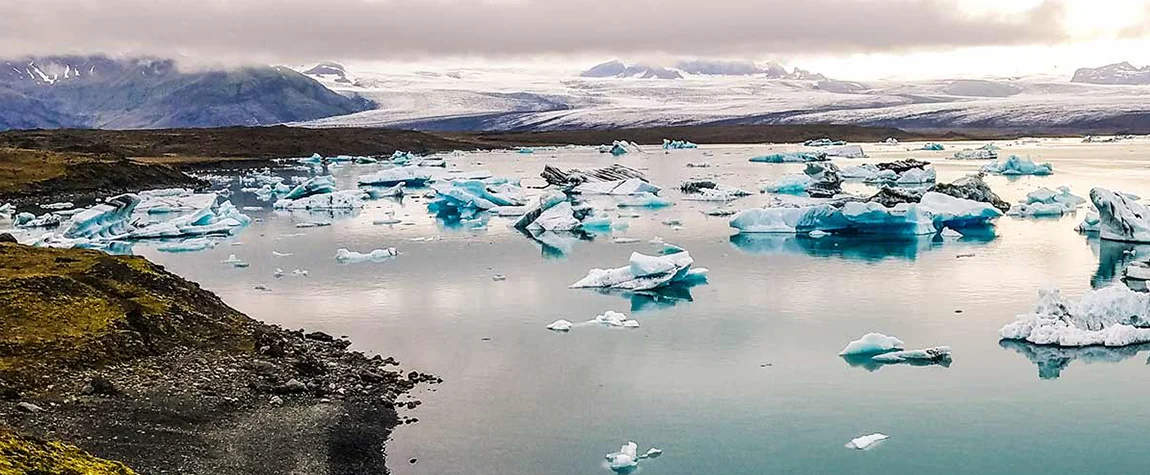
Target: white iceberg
410, 176
1111, 316
1120, 218
975, 154
616, 319
866, 441
313, 186
350, 257
644, 273
791, 183
866, 171
871, 343
59, 206
630, 186
917, 176
1037, 210
560, 326
343, 199
645, 200
625, 459
190, 245
1091, 223
846, 151
1016, 165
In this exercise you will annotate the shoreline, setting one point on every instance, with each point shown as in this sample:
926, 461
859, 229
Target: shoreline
137, 365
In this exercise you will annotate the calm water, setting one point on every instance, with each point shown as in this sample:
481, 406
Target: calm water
739, 376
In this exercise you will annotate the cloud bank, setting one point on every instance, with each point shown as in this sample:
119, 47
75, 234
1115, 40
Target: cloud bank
307, 30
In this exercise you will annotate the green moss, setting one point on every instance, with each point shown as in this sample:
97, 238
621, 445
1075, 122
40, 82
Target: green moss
26, 456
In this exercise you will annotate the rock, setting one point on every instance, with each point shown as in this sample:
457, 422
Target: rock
8, 238
29, 407
412, 461
371, 377
901, 166
293, 386
972, 187
320, 336
100, 386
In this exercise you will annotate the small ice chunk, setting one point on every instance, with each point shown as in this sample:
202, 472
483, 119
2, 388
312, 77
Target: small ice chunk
871, 343
866, 441
1016, 165
625, 459
818, 233
646, 200
312, 224
560, 326
624, 240
499, 277
346, 256
232, 259
652, 453
58, 206
616, 319
281, 254
937, 353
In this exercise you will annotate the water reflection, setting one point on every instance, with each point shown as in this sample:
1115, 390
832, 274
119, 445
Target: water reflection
1113, 257
661, 298
554, 245
868, 363
860, 247
1051, 360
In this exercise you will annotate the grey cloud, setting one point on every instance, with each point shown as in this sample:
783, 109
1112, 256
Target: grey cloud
304, 30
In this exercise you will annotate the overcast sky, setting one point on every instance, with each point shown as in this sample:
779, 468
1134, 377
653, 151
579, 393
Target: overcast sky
869, 38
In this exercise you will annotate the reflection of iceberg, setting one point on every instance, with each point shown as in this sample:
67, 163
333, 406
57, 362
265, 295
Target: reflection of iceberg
1113, 257
655, 299
1051, 360
866, 248
937, 356
556, 244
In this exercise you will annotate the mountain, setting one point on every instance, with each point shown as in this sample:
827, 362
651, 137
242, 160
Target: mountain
1118, 73
698, 67
617, 69
134, 93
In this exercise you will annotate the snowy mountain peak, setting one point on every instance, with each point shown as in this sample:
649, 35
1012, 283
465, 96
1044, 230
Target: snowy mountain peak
698, 67
51, 70
1118, 73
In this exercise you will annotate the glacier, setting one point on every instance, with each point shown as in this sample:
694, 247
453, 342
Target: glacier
1111, 316
1120, 218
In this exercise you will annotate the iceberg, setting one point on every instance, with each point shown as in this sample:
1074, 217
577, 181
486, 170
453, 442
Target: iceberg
916, 176
824, 142
402, 158
677, 144
791, 157
866, 171
790, 183
626, 460
560, 326
871, 343
1120, 218
926, 355
1138, 270
1061, 196
457, 196
412, 176
1037, 210
866, 441
392, 192
620, 147
933, 147
847, 151
29, 220
645, 273
630, 186
110, 221
934, 212
1111, 316
1091, 223
703, 190
1016, 165
645, 200
190, 245
345, 256
313, 186
976, 154
615, 319
58, 206
343, 199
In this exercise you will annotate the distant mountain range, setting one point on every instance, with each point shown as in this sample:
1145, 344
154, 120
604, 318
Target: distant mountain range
129, 93
1118, 73
699, 67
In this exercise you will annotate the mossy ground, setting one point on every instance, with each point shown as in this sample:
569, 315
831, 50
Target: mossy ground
48, 176
27, 456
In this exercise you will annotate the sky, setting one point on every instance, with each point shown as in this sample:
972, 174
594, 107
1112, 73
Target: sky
848, 39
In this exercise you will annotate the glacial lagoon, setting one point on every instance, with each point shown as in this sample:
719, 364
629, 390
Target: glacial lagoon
738, 376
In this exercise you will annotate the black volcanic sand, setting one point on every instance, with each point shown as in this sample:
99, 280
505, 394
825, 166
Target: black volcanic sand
131, 363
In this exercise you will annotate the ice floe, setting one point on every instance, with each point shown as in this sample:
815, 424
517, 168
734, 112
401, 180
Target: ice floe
342, 199
871, 343
628, 457
677, 144
926, 355
933, 147
630, 186
846, 151
975, 154
412, 176
1047, 202
866, 441
189, 245
705, 190
560, 326
350, 257
1016, 165
1111, 316
1120, 218
791, 183
645, 273
791, 157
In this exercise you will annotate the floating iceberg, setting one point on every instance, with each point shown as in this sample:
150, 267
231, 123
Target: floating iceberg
677, 144
934, 212
866, 441
871, 343
823, 143
1016, 165
1120, 218
58, 206
703, 190
560, 326
645, 273
392, 192
314, 186
29, 220
461, 196
1111, 316
615, 319
620, 147
1138, 270
866, 171
412, 176
646, 200
790, 183
630, 186
343, 199
350, 257
1091, 223
847, 151
933, 147
1037, 210
102, 224
190, 245
1061, 198
402, 158
976, 154
627, 458
791, 157
926, 355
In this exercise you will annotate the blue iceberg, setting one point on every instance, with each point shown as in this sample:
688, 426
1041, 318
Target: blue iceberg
677, 144
791, 157
313, 186
933, 147
1016, 165
929, 216
459, 197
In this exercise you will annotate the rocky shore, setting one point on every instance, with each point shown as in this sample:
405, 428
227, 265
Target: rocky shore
117, 356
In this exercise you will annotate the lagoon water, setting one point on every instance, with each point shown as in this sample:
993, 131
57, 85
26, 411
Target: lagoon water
739, 376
